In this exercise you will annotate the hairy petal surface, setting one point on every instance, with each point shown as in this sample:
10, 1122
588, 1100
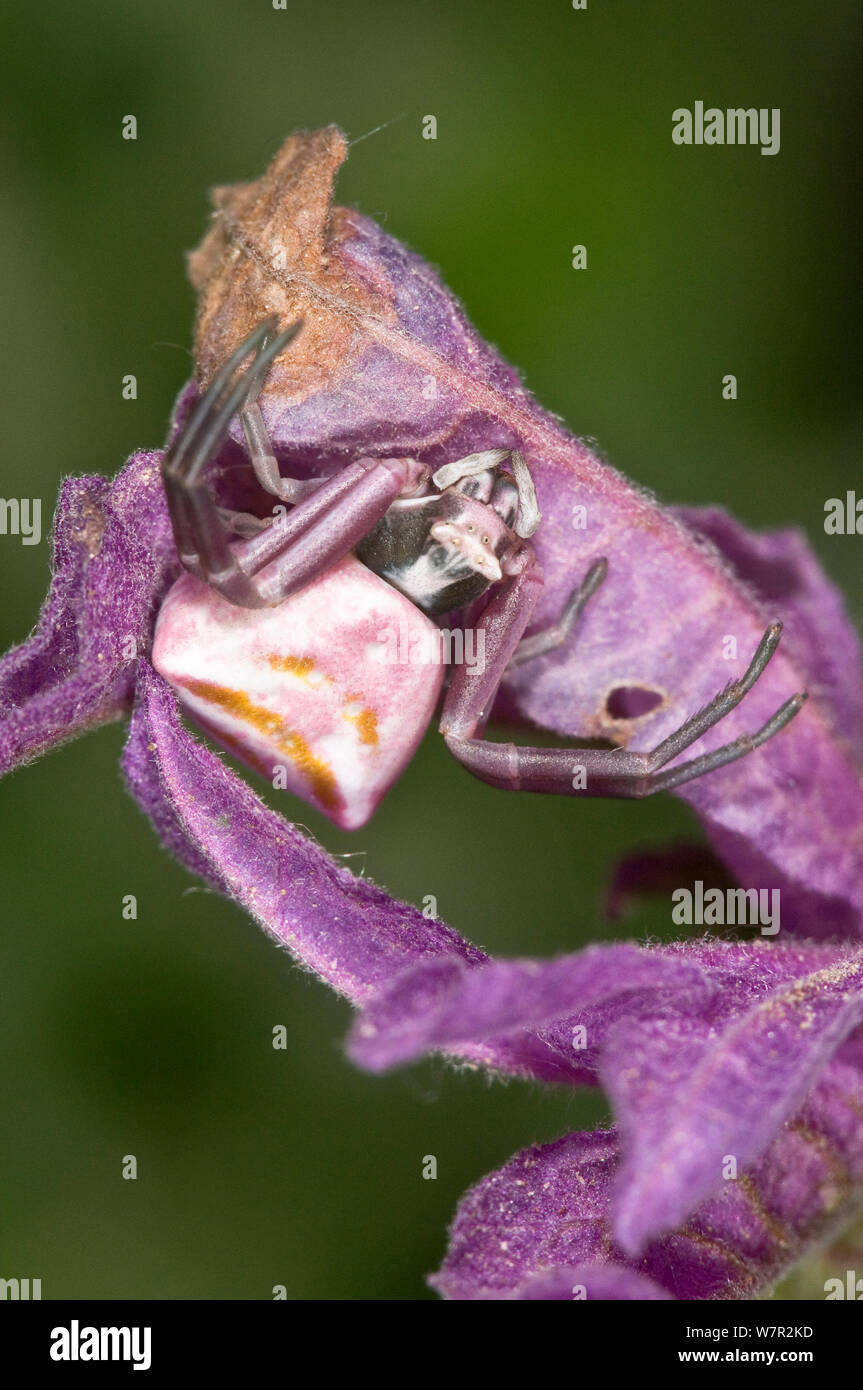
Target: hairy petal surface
113, 553
779, 570
690, 1098
442, 1007
549, 1210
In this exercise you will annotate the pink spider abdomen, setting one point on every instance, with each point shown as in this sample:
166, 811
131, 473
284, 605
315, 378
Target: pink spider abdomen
319, 693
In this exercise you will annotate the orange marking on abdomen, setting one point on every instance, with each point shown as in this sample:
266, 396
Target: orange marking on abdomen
296, 665
273, 726
367, 723
301, 666
365, 719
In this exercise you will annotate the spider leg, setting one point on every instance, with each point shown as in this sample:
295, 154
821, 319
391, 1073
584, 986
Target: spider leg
201, 538
266, 468
550, 637
326, 525
587, 771
332, 517
502, 622
243, 524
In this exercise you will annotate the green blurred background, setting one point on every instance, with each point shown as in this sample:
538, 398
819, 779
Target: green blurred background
153, 1037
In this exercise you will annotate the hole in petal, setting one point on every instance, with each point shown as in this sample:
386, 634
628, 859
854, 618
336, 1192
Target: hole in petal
632, 701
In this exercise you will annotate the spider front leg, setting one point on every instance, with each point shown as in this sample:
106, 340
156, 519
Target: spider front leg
584, 771
264, 570
200, 536
326, 526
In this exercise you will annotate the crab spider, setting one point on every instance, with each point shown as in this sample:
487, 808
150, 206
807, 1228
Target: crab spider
279, 641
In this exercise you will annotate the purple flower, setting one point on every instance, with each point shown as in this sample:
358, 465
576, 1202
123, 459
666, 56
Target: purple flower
734, 1071
708, 1052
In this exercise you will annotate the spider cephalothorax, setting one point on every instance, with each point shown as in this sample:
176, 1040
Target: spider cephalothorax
307, 645
443, 549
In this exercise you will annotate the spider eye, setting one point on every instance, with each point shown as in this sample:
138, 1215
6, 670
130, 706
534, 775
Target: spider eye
470, 528
485, 540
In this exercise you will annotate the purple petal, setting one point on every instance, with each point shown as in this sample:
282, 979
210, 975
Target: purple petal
688, 1096
446, 1007
112, 557
348, 931
780, 570
549, 1209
